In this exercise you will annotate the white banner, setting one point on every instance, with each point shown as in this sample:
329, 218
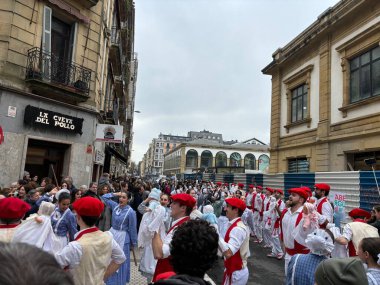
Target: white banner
109, 133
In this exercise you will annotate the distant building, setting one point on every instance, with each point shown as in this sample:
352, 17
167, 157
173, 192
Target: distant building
326, 93
251, 156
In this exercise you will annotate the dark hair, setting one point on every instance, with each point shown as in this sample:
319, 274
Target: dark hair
123, 184
48, 180
73, 193
7, 221
63, 196
38, 266
22, 182
49, 187
89, 221
198, 242
372, 246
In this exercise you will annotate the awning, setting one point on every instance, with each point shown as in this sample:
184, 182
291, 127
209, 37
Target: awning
116, 154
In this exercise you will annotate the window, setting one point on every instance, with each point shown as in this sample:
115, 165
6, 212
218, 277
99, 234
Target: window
250, 162
206, 159
263, 162
235, 159
365, 75
298, 98
221, 159
299, 103
192, 158
299, 164
356, 161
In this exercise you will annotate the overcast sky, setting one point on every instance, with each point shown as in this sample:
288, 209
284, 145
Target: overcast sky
200, 64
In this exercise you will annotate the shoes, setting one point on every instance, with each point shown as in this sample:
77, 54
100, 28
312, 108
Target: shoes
267, 246
280, 256
272, 255
258, 241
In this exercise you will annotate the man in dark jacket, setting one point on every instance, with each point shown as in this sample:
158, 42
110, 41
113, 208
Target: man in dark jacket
199, 256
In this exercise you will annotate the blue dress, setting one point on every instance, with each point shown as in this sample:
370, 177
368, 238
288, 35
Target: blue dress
124, 231
64, 225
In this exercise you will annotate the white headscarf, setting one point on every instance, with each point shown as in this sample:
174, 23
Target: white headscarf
320, 242
60, 192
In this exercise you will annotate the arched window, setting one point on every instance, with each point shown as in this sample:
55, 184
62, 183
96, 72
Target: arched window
192, 158
250, 161
263, 162
235, 159
221, 159
206, 159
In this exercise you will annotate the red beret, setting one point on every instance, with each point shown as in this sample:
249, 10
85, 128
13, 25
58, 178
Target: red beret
236, 202
241, 185
225, 184
184, 199
269, 189
13, 208
88, 206
279, 191
322, 186
300, 191
219, 183
308, 190
259, 187
357, 212
251, 186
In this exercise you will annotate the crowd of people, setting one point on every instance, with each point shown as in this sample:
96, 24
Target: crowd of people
179, 228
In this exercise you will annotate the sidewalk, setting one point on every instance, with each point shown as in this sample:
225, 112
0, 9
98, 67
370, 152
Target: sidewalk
138, 279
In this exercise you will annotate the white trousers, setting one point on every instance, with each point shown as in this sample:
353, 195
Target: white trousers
276, 248
239, 277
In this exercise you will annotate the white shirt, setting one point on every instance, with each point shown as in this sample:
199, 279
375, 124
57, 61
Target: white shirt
289, 227
168, 238
71, 254
327, 210
237, 237
248, 199
259, 202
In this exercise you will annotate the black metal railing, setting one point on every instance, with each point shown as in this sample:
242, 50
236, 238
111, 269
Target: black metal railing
46, 66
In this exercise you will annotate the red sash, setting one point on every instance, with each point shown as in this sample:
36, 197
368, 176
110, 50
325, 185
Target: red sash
319, 210
235, 262
298, 248
86, 231
277, 222
11, 226
163, 264
253, 202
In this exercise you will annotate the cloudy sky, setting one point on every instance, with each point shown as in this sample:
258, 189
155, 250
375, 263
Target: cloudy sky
200, 64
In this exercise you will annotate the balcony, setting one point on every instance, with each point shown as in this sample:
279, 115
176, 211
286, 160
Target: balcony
88, 3
55, 78
115, 51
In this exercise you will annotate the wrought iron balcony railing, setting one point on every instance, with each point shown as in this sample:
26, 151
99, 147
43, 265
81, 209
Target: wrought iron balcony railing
47, 67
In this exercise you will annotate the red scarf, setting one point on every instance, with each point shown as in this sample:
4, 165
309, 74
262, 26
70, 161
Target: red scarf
235, 262
164, 265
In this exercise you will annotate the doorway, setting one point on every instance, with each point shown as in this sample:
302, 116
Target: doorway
46, 159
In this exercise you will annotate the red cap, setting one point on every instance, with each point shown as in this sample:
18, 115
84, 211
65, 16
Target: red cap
225, 184
279, 191
236, 202
184, 199
88, 206
269, 189
259, 187
241, 185
219, 183
13, 208
323, 187
357, 212
300, 191
308, 190
251, 186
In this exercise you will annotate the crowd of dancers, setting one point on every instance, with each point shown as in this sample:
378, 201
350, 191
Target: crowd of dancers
95, 232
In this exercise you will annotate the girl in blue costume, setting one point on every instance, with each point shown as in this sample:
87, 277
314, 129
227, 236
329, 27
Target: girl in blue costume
124, 231
63, 221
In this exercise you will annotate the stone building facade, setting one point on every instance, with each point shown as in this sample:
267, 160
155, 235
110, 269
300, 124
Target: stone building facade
65, 67
325, 92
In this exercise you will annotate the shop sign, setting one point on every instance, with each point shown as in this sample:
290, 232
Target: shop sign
109, 133
37, 117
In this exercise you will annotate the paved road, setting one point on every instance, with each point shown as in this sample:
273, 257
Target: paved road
262, 270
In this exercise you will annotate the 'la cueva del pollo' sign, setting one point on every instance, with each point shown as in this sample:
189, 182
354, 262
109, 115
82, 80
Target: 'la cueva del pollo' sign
37, 117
